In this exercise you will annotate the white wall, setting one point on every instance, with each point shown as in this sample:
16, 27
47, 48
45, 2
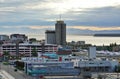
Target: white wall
92, 52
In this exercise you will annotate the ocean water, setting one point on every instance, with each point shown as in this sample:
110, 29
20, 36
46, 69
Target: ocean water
94, 40
88, 39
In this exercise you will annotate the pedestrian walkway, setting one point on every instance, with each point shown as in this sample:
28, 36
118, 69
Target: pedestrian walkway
5, 75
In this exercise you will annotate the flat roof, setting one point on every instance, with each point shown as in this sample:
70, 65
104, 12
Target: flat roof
50, 31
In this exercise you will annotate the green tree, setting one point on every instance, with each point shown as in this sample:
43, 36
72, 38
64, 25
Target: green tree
117, 68
6, 55
34, 52
19, 65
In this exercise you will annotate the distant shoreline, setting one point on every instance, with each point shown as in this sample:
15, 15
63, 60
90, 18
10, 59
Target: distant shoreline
106, 35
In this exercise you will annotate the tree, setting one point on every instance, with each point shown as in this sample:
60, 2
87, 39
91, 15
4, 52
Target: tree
6, 55
117, 69
19, 65
34, 52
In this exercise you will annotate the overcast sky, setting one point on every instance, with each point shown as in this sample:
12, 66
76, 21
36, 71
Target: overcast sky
33, 17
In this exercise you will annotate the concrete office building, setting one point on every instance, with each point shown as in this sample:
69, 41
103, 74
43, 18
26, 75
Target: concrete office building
21, 37
60, 30
4, 37
27, 48
50, 37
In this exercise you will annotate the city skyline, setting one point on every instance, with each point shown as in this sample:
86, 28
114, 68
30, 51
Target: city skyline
81, 16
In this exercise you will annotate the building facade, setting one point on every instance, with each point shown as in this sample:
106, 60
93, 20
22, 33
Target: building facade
26, 48
4, 37
20, 37
60, 30
95, 65
50, 37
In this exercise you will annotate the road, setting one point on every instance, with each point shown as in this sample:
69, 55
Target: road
21, 75
16, 75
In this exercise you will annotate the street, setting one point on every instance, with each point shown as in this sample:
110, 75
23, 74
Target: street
17, 75
21, 75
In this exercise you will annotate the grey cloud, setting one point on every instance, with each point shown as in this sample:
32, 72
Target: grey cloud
22, 29
105, 16
90, 32
21, 16
25, 22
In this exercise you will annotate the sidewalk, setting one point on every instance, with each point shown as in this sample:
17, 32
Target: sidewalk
5, 75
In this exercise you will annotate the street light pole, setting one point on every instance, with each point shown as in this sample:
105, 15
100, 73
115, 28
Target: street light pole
17, 49
117, 73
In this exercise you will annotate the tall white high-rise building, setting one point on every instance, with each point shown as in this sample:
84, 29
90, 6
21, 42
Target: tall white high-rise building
60, 31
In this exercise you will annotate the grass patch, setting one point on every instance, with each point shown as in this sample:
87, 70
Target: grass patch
6, 63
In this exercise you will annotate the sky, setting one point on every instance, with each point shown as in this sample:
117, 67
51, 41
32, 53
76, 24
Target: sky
33, 17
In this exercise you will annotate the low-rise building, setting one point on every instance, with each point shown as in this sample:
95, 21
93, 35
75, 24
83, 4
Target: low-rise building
4, 37
95, 65
26, 48
48, 67
20, 37
80, 42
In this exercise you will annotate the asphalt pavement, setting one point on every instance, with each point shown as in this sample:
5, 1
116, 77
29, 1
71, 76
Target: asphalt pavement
21, 75
17, 75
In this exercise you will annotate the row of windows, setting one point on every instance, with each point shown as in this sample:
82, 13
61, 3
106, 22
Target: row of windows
30, 48
27, 46
26, 51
